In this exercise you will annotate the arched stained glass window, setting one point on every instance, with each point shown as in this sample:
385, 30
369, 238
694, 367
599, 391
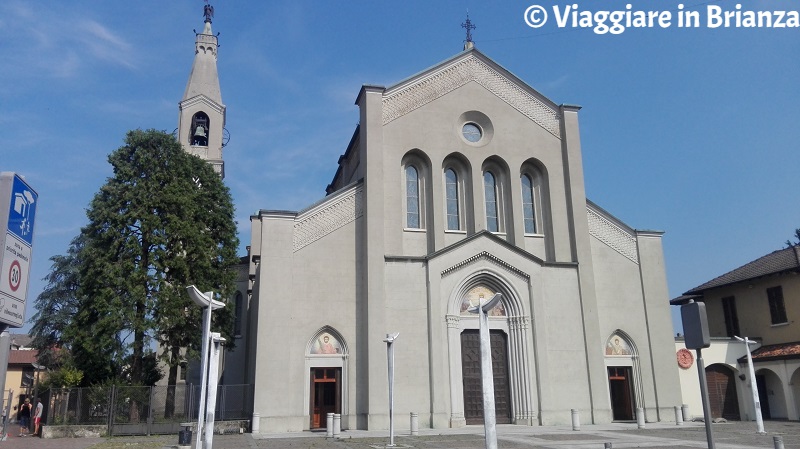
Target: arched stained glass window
451, 193
527, 205
490, 193
412, 198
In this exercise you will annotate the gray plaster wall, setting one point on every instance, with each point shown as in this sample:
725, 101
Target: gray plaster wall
300, 293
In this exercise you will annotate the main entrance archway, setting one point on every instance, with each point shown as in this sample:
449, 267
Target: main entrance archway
509, 330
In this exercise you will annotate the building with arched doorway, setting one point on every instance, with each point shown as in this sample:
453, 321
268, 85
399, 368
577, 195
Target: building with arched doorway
458, 183
761, 301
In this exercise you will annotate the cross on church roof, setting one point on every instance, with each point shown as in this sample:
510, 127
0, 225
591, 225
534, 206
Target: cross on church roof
469, 27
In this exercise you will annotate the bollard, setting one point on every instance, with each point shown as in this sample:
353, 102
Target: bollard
329, 428
337, 425
607, 445
678, 416
254, 424
778, 442
640, 417
414, 424
576, 420
685, 410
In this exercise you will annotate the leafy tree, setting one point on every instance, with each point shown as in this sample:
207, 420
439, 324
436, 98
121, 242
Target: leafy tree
163, 221
796, 236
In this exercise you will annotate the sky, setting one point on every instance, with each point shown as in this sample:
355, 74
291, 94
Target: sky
693, 131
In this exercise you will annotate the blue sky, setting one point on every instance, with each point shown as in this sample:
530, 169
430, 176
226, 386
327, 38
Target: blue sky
693, 131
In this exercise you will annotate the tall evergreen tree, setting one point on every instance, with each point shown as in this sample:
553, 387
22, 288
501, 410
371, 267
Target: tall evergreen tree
56, 306
163, 221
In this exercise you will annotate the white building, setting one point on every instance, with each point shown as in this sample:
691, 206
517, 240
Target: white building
459, 182
759, 300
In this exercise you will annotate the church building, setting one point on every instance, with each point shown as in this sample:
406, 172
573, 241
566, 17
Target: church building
459, 182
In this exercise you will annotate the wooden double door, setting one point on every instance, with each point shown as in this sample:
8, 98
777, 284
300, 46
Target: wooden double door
471, 372
722, 398
326, 395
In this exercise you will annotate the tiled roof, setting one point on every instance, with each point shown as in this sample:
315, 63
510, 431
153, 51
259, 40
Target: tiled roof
22, 357
774, 352
787, 259
21, 340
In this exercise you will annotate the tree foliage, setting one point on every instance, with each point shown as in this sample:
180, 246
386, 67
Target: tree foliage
163, 221
56, 306
789, 243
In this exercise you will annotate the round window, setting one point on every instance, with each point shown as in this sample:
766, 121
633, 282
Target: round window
471, 132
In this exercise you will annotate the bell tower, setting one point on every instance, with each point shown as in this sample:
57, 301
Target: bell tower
201, 119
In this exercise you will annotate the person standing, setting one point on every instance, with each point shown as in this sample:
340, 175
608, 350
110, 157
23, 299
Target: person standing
25, 417
37, 416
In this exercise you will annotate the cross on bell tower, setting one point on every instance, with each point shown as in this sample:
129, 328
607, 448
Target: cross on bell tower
469, 26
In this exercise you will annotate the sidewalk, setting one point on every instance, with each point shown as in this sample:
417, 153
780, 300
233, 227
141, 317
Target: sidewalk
733, 435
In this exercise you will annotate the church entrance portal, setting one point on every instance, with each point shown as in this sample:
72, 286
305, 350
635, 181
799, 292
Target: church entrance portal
471, 371
326, 395
621, 387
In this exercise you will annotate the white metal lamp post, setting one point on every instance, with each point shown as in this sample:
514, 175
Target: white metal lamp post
487, 378
390, 338
209, 304
753, 386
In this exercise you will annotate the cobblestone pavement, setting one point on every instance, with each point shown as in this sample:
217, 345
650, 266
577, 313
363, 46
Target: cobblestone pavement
734, 435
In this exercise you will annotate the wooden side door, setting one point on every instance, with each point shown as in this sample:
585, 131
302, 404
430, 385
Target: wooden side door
621, 389
325, 395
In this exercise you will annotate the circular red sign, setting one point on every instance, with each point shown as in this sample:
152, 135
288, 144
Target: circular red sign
14, 275
685, 358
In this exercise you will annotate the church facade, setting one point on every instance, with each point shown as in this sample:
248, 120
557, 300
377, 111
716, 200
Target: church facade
458, 183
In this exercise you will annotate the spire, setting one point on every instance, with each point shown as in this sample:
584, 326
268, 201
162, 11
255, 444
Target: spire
204, 79
468, 25
201, 121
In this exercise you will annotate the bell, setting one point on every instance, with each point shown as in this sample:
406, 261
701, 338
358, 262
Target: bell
200, 132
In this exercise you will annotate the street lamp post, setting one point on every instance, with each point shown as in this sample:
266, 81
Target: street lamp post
390, 338
487, 378
209, 304
753, 386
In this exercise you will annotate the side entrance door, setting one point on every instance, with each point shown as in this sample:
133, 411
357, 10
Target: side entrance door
326, 395
471, 372
621, 388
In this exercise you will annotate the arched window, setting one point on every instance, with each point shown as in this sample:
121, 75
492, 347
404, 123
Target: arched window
412, 198
528, 206
451, 194
490, 193
198, 134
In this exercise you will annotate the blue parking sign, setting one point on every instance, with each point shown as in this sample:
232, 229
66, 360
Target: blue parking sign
22, 210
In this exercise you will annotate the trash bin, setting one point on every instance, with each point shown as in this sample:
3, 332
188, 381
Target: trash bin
185, 437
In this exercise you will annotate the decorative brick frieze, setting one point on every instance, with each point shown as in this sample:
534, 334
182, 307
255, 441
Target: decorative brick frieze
327, 217
449, 78
617, 238
486, 256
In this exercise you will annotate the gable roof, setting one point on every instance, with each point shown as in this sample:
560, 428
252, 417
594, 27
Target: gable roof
470, 65
780, 261
21, 340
